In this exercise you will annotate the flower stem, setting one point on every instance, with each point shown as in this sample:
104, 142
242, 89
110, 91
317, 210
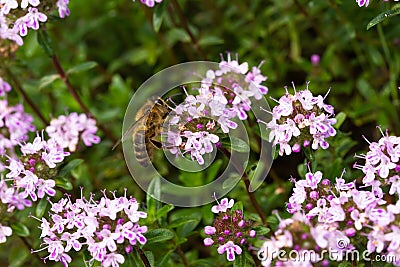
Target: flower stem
75, 95
183, 257
143, 257
20, 89
184, 24
246, 181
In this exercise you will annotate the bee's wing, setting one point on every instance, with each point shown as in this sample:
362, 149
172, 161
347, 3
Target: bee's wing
130, 129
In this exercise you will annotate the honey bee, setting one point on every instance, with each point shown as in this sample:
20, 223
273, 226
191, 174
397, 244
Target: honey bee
147, 128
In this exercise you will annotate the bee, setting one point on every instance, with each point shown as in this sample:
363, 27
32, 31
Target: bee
147, 128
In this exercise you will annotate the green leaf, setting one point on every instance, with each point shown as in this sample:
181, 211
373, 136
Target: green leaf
236, 144
47, 80
158, 15
164, 210
82, 67
237, 206
261, 230
44, 41
41, 207
162, 262
182, 221
63, 183
69, 167
340, 118
20, 229
149, 255
383, 16
154, 190
158, 235
211, 40
241, 261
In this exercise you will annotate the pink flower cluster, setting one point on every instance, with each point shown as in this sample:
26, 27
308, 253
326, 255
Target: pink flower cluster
237, 84
301, 120
382, 165
67, 130
31, 174
194, 121
338, 217
229, 231
32, 10
15, 125
108, 228
225, 94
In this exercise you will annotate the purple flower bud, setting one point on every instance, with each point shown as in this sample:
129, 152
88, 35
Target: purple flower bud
397, 169
330, 197
350, 209
208, 242
209, 230
315, 59
325, 263
350, 223
304, 236
296, 148
32, 162
128, 249
252, 233
199, 126
227, 232
120, 221
221, 239
242, 223
107, 226
309, 206
189, 119
326, 182
296, 247
350, 232
238, 234
226, 217
314, 195
242, 241
306, 143
218, 144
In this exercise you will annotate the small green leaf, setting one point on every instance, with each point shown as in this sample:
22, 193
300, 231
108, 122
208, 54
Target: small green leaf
340, 118
63, 183
69, 167
162, 262
44, 41
211, 40
47, 80
182, 221
41, 207
158, 235
149, 255
261, 230
238, 206
153, 192
383, 16
20, 229
164, 210
241, 261
236, 144
82, 67
158, 15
